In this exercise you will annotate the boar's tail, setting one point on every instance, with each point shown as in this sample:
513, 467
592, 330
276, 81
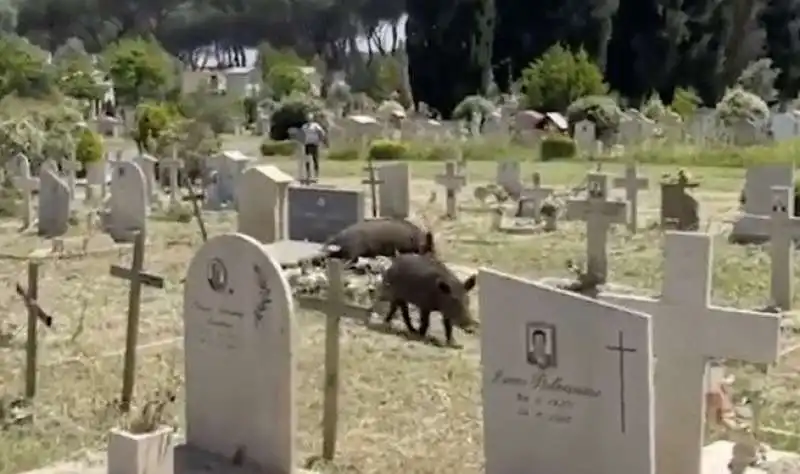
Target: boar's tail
333, 251
429, 247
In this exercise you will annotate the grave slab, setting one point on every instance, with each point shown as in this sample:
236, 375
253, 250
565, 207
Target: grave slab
759, 180
563, 374
318, 213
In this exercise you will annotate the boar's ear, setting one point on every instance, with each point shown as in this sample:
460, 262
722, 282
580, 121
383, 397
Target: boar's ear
443, 286
429, 246
470, 282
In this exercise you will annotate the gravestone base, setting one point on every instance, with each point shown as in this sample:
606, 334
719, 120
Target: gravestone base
749, 230
292, 253
717, 455
187, 461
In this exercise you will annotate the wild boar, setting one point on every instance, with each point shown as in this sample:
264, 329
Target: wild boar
375, 237
427, 283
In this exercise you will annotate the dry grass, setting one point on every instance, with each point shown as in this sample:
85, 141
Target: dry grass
404, 404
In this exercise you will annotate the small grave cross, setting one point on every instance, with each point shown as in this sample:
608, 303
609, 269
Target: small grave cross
622, 350
783, 229
530, 199
27, 185
194, 198
35, 314
173, 166
632, 184
453, 182
137, 278
71, 168
599, 213
373, 181
688, 331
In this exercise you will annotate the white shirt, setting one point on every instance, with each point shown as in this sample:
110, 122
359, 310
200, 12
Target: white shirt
313, 133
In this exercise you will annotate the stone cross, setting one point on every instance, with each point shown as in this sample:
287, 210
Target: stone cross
27, 185
632, 183
688, 331
71, 168
137, 278
530, 199
453, 182
173, 166
599, 213
783, 229
194, 198
373, 181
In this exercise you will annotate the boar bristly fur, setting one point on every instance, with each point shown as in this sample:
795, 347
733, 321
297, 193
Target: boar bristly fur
427, 283
376, 237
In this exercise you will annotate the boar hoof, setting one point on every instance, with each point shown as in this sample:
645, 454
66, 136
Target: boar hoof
454, 345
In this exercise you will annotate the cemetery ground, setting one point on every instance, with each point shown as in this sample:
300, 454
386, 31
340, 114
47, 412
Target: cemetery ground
404, 404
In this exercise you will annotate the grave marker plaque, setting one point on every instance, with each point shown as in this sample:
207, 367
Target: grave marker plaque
567, 381
316, 214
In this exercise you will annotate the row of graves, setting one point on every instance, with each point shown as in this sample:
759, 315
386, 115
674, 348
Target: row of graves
619, 378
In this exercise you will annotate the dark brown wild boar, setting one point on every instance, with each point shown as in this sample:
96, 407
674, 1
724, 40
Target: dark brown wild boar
427, 283
375, 237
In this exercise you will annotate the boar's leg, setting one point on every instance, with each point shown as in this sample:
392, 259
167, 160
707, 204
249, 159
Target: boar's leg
392, 310
424, 321
448, 332
407, 317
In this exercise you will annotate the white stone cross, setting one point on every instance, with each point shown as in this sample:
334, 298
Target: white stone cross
783, 228
687, 332
173, 166
453, 182
531, 198
599, 213
632, 184
71, 168
26, 185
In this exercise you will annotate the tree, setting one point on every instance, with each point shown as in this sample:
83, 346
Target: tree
559, 78
449, 50
75, 72
23, 69
140, 69
284, 79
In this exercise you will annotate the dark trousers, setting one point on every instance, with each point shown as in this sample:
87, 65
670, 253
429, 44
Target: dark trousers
312, 150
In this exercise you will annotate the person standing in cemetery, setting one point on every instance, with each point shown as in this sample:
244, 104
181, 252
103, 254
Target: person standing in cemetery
314, 135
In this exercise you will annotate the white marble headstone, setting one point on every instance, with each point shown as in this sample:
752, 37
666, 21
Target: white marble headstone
567, 381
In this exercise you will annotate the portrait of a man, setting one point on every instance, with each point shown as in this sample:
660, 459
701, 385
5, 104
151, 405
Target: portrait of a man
541, 344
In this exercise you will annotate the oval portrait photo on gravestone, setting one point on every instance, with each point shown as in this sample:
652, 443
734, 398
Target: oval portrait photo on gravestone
541, 344
218, 276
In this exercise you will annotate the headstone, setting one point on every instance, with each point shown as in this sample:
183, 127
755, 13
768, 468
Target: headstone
784, 126
54, 204
240, 367
394, 198
316, 213
374, 182
632, 184
567, 381
229, 166
531, 199
585, 136
147, 164
509, 176
679, 210
452, 182
759, 180
26, 185
173, 166
96, 179
262, 194
688, 331
599, 214
128, 202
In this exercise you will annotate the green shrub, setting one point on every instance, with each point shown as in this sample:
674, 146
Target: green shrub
556, 147
559, 77
89, 148
389, 150
278, 148
292, 113
473, 104
152, 120
602, 110
344, 154
738, 104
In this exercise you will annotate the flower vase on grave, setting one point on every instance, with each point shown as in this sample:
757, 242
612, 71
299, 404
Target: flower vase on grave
132, 452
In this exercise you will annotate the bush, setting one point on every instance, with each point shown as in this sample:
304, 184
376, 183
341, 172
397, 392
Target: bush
152, 120
474, 104
738, 104
89, 148
292, 113
685, 102
344, 154
278, 148
389, 150
284, 79
602, 110
559, 77
555, 147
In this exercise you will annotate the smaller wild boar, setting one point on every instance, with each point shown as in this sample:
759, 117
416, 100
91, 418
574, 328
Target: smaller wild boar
376, 237
427, 283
